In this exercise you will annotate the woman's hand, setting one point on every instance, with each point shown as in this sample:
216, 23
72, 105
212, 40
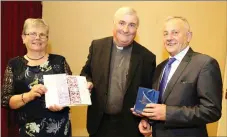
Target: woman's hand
36, 91
55, 108
17, 101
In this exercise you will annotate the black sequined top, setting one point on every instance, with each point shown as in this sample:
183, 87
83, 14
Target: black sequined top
19, 78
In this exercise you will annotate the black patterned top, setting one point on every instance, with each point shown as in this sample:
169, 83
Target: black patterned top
34, 118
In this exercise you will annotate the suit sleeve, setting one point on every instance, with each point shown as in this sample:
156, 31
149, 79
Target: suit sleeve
150, 69
86, 70
209, 94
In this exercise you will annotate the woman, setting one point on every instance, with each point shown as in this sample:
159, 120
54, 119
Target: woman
23, 88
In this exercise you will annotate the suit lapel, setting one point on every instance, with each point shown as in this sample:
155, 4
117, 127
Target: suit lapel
105, 60
134, 62
177, 74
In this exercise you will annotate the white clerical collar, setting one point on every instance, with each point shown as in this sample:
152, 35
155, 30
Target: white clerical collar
120, 48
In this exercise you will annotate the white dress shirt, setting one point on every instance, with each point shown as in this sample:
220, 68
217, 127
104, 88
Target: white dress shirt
176, 63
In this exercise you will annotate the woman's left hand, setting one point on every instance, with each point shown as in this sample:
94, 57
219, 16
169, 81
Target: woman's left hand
55, 108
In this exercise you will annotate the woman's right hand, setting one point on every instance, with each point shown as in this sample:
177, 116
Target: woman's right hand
36, 91
20, 100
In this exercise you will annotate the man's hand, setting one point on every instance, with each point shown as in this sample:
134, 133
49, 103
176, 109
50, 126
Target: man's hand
145, 128
90, 86
134, 113
155, 111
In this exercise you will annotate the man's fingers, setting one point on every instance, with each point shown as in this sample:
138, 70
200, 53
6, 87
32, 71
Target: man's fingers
89, 85
148, 110
134, 113
144, 123
150, 105
147, 114
145, 128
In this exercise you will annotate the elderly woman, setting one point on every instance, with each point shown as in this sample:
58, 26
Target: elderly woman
23, 88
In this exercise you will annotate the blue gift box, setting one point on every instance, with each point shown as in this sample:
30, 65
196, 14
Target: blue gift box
144, 97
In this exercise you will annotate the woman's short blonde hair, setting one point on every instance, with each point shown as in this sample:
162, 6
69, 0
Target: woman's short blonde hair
35, 22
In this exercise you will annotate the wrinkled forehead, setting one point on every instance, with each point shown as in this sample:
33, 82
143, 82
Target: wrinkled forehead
130, 18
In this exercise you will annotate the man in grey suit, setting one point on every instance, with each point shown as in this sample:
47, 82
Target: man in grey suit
190, 86
115, 68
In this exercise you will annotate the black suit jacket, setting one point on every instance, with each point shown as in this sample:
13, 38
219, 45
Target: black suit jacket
96, 70
193, 97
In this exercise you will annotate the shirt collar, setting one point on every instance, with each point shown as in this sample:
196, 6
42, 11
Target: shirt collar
181, 55
122, 48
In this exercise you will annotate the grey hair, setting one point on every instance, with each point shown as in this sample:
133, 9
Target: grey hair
126, 11
187, 26
36, 22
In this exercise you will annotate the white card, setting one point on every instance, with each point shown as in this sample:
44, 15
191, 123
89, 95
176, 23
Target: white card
66, 90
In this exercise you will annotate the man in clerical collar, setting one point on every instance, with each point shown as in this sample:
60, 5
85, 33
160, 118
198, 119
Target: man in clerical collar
115, 68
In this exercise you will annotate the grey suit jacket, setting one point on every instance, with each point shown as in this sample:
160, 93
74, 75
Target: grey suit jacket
141, 70
193, 97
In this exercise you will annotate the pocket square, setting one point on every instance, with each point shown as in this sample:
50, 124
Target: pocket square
184, 81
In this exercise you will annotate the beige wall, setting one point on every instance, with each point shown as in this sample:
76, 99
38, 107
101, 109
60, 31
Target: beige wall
75, 24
